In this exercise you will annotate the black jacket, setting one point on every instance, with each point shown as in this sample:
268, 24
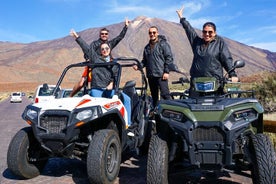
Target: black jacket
112, 43
101, 76
95, 45
209, 60
158, 59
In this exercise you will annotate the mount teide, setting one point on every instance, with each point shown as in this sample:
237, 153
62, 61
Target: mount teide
40, 62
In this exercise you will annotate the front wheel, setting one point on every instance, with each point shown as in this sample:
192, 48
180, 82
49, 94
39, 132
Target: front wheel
157, 165
24, 155
263, 160
104, 157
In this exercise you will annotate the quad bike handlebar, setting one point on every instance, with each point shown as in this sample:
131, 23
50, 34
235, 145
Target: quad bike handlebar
210, 85
224, 80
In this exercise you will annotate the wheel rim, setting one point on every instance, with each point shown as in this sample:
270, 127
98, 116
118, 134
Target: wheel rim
111, 158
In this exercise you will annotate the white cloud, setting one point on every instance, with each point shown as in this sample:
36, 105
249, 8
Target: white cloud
13, 36
166, 10
271, 46
269, 29
132, 9
62, 1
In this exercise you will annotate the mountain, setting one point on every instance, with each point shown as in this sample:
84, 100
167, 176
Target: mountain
40, 62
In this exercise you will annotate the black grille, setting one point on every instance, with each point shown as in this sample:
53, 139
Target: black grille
54, 124
208, 134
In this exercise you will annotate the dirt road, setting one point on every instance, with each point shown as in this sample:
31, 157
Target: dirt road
66, 171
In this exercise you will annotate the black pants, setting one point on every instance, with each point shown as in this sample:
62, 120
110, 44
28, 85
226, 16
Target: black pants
156, 83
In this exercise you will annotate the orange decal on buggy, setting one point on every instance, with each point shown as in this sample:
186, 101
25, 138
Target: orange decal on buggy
112, 105
83, 102
122, 111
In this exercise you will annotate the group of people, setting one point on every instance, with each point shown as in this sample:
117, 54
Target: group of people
211, 55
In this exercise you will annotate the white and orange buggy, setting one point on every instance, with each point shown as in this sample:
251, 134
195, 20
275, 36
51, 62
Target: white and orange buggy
92, 129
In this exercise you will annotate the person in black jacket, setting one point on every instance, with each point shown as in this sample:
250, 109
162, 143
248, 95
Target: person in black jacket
96, 46
211, 53
103, 38
157, 58
102, 80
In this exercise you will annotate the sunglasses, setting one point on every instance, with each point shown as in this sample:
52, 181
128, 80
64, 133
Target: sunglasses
153, 32
104, 33
105, 48
209, 32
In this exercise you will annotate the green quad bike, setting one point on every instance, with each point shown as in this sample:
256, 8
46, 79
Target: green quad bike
210, 133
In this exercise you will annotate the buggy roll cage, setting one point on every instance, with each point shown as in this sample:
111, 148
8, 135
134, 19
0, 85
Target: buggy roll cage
119, 62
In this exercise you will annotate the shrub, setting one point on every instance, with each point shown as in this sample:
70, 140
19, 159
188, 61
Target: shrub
265, 92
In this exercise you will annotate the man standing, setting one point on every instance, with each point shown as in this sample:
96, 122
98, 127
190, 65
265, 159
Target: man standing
157, 57
103, 38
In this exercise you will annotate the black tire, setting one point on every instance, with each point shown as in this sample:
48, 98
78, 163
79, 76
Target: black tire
143, 150
22, 147
157, 164
104, 157
263, 160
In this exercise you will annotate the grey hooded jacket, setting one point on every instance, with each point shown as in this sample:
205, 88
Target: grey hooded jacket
157, 60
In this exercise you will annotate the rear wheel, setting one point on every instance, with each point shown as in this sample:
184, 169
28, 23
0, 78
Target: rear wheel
24, 154
104, 157
157, 165
263, 160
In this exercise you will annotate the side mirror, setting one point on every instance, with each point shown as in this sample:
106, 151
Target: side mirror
239, 64
184, 80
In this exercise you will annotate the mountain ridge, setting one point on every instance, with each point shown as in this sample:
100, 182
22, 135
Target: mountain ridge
43, 61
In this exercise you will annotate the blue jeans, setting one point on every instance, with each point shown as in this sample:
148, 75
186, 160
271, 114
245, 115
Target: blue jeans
98, 92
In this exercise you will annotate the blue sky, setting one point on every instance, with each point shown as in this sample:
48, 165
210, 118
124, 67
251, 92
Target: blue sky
252, 22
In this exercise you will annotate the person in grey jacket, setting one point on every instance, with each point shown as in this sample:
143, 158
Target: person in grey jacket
157, 59
211, 53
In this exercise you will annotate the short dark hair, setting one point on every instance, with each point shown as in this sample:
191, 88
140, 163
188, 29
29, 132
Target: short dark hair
153, 27
104, 29
210, 24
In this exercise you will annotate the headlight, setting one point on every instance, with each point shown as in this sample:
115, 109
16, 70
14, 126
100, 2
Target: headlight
172, 115
205, 87
238, 118
32, 114
87, 114
244, 115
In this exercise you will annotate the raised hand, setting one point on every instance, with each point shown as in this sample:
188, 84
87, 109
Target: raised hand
73, 33
180, 12
127, 22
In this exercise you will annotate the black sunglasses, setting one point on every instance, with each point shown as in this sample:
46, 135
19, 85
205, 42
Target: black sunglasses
209, 32
153, 32
104, 33
104, 48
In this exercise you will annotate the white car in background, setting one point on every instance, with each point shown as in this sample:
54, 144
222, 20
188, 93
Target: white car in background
16, 97
44, 93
